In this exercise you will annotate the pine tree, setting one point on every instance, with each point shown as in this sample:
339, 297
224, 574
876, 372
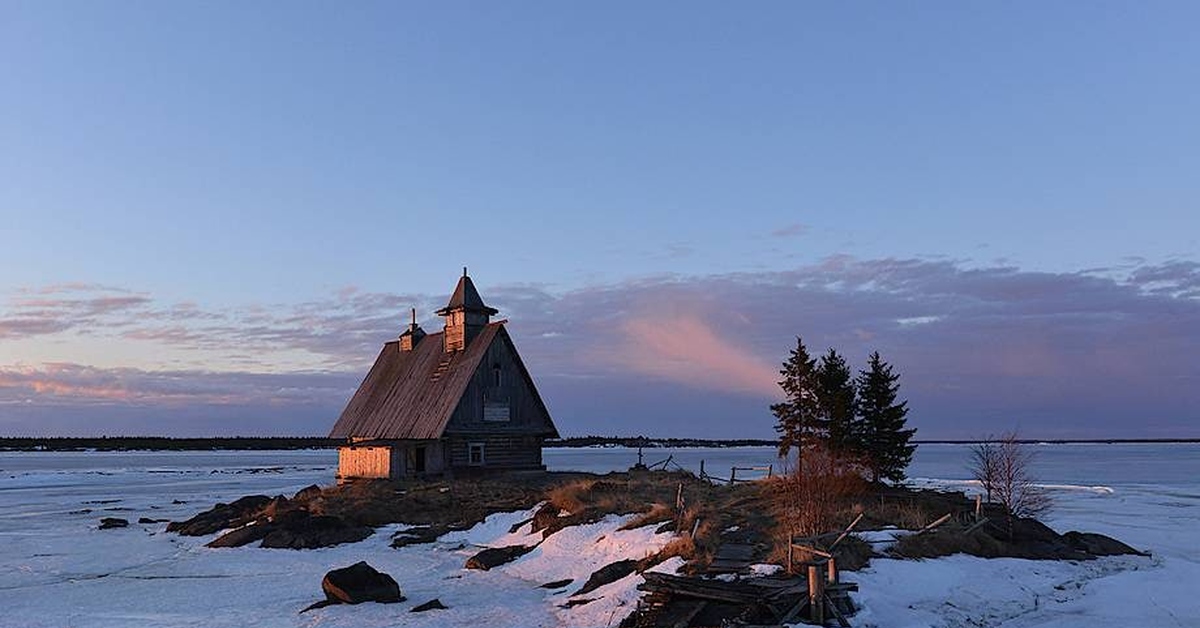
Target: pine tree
884, 437
835, 394
799, 409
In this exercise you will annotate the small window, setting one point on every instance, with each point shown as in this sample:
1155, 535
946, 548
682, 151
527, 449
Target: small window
497, 376
475, 454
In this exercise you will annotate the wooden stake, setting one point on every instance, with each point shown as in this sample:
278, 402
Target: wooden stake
816, 594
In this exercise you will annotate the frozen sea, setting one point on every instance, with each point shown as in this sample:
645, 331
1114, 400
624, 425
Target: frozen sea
57, 569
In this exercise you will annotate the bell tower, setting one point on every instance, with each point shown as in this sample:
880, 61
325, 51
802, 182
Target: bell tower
465, 315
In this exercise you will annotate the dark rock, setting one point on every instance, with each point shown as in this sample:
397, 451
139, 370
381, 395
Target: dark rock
221, 516
545, 516
1098, 544
109, 523
495, 556
557, 584
517, 526
242, 536
432, 605
608, 574
315, 605
148, 520
359, 583
307, 493
418, 535
578, 602
297, 529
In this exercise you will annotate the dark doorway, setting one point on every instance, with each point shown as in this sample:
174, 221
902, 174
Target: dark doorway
419, 459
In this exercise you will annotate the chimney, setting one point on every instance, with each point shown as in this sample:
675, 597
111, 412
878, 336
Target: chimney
412, 335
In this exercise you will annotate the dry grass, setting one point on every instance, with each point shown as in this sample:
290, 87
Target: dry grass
658, 513
823, 494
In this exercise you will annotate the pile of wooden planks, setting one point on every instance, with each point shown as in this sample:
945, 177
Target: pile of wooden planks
681, 602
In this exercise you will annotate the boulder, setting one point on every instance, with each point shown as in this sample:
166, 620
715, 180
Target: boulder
432, 605
608, 574
1098, 544
242, 536
307, 493
545, 516
359, 583
298, 529
148, 520
557, 584
109, 523
496, 556
417, 535
221, 516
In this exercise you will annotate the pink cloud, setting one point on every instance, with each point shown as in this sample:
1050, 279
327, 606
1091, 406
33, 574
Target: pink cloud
687, 350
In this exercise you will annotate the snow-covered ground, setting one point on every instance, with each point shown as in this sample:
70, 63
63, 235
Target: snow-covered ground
57, 569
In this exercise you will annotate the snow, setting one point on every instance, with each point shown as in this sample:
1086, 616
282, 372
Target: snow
57, 569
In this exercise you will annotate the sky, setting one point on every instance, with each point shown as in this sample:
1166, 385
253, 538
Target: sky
213, 214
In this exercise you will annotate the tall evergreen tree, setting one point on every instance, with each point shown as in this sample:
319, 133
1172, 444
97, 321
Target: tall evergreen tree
885, 438
835, 396
799, 409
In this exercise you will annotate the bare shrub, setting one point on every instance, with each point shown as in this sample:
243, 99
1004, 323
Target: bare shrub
984, 465
1003, 468
817, 496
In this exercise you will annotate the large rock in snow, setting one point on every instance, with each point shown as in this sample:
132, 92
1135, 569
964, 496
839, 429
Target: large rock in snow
496, 556
222, 516
297, 529
359, 583
109, 523
1098, 544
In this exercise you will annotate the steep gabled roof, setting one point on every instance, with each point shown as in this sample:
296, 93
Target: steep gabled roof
413, 394
466, 297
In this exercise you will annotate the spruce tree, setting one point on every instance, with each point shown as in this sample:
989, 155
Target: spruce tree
885, 438
799, 409
835, 394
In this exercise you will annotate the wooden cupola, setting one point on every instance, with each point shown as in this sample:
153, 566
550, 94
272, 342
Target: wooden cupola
412, 335
465, 315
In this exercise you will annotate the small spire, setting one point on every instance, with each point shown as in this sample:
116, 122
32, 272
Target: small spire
414, 317
464, 271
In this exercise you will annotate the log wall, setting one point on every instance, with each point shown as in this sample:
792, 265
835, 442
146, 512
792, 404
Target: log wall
369, 461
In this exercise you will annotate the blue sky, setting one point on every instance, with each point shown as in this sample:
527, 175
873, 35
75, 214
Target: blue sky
212, 214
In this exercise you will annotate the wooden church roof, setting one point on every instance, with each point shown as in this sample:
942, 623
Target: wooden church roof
466, 297
413, 394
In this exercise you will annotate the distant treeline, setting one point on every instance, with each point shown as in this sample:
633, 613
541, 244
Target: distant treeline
641, 441
162, 443
233, 443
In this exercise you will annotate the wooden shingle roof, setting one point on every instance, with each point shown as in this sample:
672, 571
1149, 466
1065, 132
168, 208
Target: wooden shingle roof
412, 394
466, 297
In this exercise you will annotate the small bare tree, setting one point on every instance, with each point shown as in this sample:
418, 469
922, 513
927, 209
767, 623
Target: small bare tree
984, 463
1002, 467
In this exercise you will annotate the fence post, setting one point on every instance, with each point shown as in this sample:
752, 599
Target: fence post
732, 475
816, 594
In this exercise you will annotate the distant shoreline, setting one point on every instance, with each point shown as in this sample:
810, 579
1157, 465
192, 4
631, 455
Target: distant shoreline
241, 443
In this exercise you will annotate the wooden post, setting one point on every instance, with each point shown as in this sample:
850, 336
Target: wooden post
789, 558
703, 475
832, 571
816, 594
732, 474
978, 506
770, 470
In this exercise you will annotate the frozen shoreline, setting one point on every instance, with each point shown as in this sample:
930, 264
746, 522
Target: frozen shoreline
56, 569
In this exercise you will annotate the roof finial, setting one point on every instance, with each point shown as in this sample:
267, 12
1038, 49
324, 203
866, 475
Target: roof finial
414, 317
464, 271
